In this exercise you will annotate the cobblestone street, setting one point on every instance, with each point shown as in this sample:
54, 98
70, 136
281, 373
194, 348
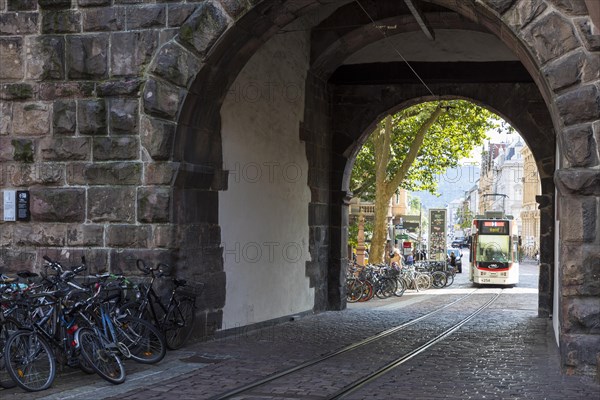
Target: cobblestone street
506, 352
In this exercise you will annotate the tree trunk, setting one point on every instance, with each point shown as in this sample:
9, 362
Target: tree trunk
384, 187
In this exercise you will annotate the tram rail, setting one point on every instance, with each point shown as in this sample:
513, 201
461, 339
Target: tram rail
356, 385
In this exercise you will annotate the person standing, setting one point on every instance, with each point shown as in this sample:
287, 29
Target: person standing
395, 258
453, 260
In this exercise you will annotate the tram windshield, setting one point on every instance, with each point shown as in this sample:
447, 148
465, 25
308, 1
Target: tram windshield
493, 248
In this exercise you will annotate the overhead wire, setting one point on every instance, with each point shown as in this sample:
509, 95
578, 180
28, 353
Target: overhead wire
389, 43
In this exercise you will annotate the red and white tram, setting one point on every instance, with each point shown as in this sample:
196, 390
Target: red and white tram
494, 252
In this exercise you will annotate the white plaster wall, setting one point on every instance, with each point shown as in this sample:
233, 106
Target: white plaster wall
264, 212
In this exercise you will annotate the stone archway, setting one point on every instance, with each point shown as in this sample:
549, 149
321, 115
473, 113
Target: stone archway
567, 84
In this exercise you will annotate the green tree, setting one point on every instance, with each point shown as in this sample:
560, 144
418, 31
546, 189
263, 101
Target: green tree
410, 149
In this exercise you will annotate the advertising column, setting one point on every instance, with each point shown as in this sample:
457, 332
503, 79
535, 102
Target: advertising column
437, 234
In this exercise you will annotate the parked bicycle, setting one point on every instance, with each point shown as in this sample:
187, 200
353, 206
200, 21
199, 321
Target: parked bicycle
174, 317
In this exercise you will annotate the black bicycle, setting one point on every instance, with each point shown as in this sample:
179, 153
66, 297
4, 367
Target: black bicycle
174, 317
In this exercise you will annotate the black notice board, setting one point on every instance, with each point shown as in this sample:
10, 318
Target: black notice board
23, 213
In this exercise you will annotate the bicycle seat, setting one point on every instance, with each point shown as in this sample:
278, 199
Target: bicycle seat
7, 280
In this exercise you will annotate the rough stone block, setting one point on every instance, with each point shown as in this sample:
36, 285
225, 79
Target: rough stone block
148, 16
58, 205
18, 23
16, 91
500, 6
54, 4
162, 99
31, 119
566, 71
579, 220
161, 173
550, 37
119, 148
6, 149
120, 87
236, 8
49, 235
523, 13
591, 40
129, 236
157, 137
109, 204
578, 181
87, 56
56, 90
26, 175
46, 58
64, 117
61, 22
65, 149
176, 65
579, 351
91, 115
580, 271
24, 150
132, 51
579, 147
123, 116
17, 260
93, 3
22, 5
5, 118
117, 173
165, 236
85, 235
580, 105
96, 260
11, 62
204, 27
154, 204
104, 19
179, 13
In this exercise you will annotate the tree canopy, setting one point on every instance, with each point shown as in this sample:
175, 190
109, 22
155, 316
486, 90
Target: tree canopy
455, 133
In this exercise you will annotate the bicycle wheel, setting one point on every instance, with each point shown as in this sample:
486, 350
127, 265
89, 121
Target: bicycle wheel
400, 287
179, 323
144, 341
449, 279
29, 361
353, 290
423, 281
98, 356
368, 291
7, 327
388, 287
438, 279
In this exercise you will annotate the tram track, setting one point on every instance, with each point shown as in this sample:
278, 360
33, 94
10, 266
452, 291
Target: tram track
357, 384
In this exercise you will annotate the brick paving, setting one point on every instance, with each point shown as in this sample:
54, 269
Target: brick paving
520, 363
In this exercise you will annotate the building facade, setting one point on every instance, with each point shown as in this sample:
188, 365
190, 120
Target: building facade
530, 215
